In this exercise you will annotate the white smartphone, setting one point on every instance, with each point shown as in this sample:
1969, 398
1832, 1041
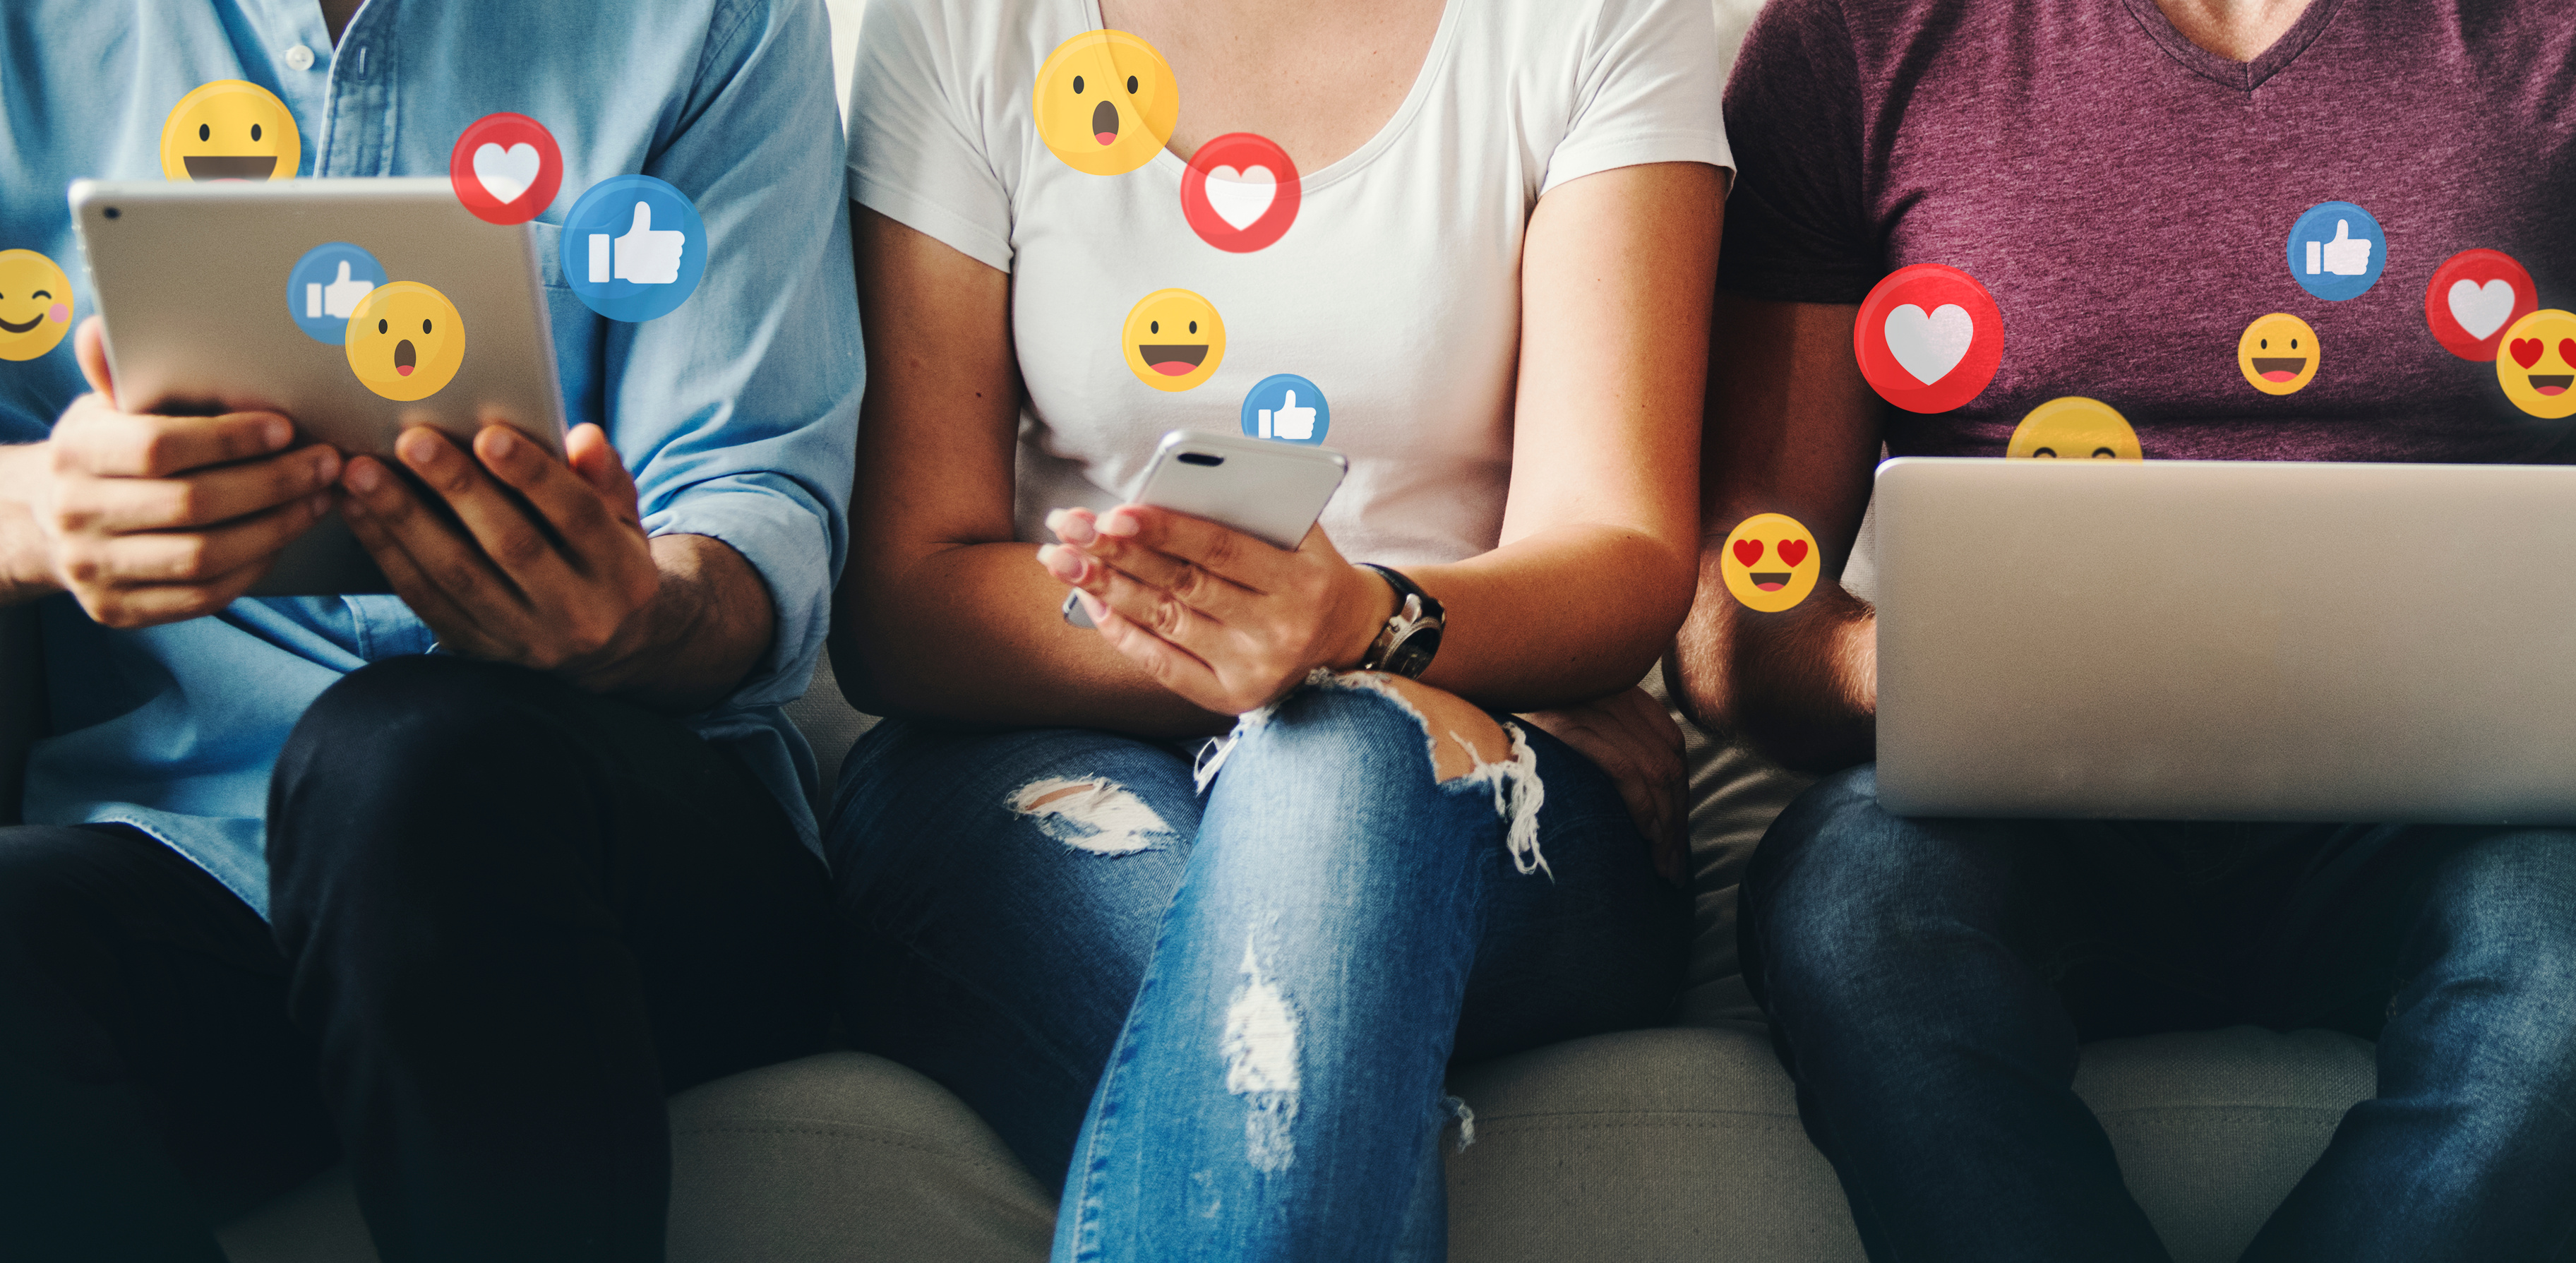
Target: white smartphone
1270, 490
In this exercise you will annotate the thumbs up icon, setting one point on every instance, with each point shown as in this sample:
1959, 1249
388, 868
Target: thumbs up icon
338, 299
2346, 255
1295, 424
645, 255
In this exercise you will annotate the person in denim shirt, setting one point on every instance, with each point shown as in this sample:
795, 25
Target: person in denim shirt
496, 901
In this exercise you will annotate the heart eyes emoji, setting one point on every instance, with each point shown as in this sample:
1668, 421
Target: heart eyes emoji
1766, 562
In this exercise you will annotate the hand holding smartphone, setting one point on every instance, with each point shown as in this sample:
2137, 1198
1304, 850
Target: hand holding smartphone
1270, 490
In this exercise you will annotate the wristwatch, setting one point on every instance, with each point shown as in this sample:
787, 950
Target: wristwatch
1411, 635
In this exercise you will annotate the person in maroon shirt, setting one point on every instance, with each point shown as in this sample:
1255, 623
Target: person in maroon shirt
2122, 177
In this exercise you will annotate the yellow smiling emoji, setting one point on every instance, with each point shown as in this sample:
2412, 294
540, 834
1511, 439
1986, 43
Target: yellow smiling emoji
1105, 102
2278, 353
405, 341
1770, 562
1173, 340
2537, 367
230, 130
35, 305
2074, 428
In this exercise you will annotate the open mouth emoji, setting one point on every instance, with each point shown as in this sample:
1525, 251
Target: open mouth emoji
1108, 88
405, 341
230, 129
1173, 340
1770, 581
2552, 383
2275, 368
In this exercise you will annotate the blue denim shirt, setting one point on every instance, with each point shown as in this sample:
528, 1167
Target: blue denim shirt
737, 412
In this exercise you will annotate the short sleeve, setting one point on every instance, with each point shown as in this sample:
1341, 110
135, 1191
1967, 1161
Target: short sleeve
1797, 226
1649, 91
917, 153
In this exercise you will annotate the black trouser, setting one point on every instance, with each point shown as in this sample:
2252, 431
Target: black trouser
509, 918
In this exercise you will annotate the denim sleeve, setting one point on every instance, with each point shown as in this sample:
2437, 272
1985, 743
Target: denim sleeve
738, 412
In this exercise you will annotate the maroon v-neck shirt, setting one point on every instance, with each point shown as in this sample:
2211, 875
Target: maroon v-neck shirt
2126, 196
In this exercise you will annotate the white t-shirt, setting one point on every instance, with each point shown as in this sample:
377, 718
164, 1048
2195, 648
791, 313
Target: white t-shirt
1396, 290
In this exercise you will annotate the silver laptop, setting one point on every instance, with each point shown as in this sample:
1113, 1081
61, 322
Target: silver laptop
2204, 640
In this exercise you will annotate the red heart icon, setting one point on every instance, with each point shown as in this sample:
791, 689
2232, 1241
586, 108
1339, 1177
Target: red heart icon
1793, 551
2566, 350
2526, 351
1748, 551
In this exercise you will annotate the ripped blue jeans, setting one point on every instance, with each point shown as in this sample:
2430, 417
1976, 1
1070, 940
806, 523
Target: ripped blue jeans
1244, 1002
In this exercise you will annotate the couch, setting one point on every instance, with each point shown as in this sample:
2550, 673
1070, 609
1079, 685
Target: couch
1680, 1143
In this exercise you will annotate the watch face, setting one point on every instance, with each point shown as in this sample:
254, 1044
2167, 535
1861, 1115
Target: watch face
1411, 654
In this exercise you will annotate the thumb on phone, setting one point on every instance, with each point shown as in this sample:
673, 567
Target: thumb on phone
89, 347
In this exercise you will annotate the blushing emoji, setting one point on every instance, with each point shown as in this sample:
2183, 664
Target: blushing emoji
230, 130
2074, 428
1105, 102
2278, 354
2538, 367
1770, 563
1173, 340
35, 305
405, 341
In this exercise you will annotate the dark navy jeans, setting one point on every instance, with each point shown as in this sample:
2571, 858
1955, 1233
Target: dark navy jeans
1244, 1002
1929, 981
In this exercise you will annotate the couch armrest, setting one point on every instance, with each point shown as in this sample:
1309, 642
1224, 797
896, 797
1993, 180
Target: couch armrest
22, 702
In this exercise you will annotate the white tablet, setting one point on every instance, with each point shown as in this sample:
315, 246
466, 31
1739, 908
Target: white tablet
207, 312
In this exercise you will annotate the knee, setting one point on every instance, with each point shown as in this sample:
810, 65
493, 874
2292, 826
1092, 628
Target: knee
2505, 913
1841, 894
1362, 718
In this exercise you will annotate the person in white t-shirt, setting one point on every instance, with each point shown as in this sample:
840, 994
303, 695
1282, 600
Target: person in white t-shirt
1242, 987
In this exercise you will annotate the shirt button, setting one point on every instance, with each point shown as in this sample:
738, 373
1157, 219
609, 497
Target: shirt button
300, 57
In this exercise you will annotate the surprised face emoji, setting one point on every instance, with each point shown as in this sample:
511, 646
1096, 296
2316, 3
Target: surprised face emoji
1770, 563
405, 341
1105, 102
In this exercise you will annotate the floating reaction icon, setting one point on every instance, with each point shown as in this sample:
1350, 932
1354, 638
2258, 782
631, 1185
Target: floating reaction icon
1928, 338
35, 304
230, 129
2278, 354
506, 168
1286, 407
1240, 192
2337, 251
1770, 562
2472, 297
1105, 102
634, 248
1173, 340
325, 287
2074, 428
405, 341
2538, 368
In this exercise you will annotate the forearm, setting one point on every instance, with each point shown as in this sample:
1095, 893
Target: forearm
1565, 615
1801, 685
26, 556
971, 633
709, 623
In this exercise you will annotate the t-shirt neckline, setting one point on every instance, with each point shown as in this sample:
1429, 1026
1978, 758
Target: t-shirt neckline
2244, 76
1434, 61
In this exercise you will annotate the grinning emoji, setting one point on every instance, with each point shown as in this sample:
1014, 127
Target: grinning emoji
2278, 353
1770, 563
35, 305
230, 130
405, 341
2538, 367
1172, 340
1105, 102
2074, 428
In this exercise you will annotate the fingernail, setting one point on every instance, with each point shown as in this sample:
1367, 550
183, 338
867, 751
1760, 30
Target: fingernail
417, 448
277, 433
502, 441
1061, 562
1119, 522
363, 477
319, 502
1091, 605
326, 465
1076, 528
